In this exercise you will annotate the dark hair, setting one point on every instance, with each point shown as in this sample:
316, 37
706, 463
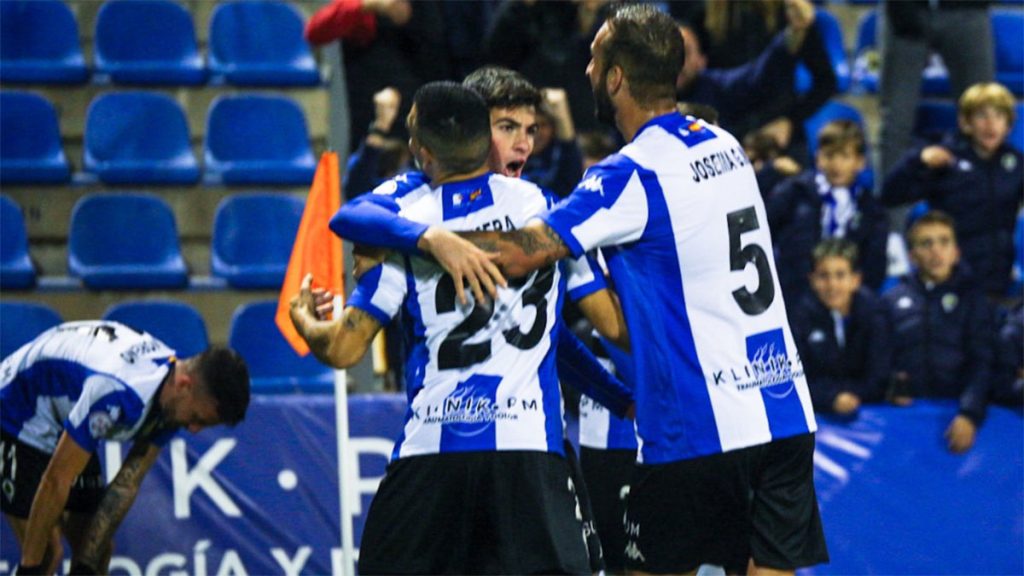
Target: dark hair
931, 217
838, 134
698, 110
226, 378
836, 248
454, 124
646, 43
502, 88
596, 144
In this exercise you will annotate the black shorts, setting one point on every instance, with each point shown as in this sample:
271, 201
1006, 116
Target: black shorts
756, 502
475, 513
608, 473
21, 470
590, 531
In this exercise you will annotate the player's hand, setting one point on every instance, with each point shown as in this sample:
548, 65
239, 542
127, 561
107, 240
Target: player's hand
935, 157
323, 300
846, 403
464, 261
960, 434
302, 305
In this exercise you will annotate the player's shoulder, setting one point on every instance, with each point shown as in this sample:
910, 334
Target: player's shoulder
500, 182
403, 184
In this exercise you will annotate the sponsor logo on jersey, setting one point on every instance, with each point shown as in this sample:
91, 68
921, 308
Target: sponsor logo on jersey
769, 365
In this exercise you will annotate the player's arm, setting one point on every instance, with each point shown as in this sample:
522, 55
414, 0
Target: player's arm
604, 311
339, 343
117, 500
67, 462
578, 367
522, 251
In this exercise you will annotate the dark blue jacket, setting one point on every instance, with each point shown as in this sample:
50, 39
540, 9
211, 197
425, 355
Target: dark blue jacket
982, 196
943, 339
1008, 385
557, 168
794, 214
861, 367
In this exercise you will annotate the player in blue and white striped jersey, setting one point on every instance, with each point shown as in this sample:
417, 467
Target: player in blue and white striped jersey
83, 382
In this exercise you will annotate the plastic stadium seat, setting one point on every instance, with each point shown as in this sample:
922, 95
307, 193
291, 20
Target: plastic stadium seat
832, 110
176, 324
16, 269
39, 43
1016, 137
260, 44
1008, 37
935, 78
258, 140
252, 239
138, 138
30, 149
935, 118
147, 42
273, 366
20, 322
125, 241
832, 35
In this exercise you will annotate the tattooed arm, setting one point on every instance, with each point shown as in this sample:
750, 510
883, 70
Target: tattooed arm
96, 543
339, 343
522, 251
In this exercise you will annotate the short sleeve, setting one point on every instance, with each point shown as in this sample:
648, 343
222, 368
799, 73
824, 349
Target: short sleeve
105, 407
381, 291
584, 276
609, 206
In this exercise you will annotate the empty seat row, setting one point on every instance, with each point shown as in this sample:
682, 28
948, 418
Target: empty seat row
130, 241
273, 366
251, 43
1007, 37
143, 138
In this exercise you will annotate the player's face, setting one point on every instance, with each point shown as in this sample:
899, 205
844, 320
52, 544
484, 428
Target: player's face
987, 128
841, 165
192, 409
934, 252
512, 134
597, 72
834, 281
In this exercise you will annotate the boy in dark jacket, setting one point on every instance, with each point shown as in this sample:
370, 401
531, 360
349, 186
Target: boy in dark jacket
942, 331
975, 177
841, 333
827, 203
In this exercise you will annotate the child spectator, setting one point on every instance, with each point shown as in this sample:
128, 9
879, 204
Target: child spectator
827, 203
941, 328
596, 146
974, 176
1008, 387
770, 165
841, 333
556, 162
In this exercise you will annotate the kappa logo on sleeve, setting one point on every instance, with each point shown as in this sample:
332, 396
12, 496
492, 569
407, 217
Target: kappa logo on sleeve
592, 184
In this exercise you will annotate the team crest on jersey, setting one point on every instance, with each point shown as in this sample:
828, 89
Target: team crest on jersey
102, 422
388, 188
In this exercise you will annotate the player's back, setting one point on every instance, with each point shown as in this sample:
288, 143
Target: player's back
716, 363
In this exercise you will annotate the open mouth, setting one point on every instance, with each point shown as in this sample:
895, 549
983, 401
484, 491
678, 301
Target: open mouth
515, 168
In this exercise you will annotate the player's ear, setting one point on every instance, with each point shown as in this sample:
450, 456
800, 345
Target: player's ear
614, 79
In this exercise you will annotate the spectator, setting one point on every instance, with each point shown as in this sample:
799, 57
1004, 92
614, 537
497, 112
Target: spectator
908, 30
771, 166
841, 333
386, 43
827, 203
737, 31
1008, 387
702, 111
760, 93
941, 328
974, 176
556, 163
596, 146
380, 156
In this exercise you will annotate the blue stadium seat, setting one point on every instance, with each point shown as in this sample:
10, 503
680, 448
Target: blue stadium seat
39, 43
935, 118
138, 138
1017, 283
252, 239
176, 324
273, 366
30, 148
832, 35
16, 269
147, 42
260, 44
125, 241
866, 62
1016, 137
1008, 36
20, 322
258, 139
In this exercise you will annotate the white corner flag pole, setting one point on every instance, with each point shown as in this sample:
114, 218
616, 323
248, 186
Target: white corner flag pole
346, 480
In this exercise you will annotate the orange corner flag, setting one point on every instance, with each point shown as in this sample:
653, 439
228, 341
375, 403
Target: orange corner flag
316, 250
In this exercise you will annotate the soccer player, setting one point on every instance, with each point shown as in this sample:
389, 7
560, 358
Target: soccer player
723, 413
75, 385
478, 482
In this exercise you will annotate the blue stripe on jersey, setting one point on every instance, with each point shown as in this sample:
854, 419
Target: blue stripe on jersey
770, 361
124, 402
621, 433
547, 375
675, 421
51, 378
419, 354
363, 294
469, 415
582, 291
686, 128
460, 199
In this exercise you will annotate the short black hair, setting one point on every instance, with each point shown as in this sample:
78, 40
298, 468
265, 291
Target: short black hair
225, 377
503, 88
454, 124
836, 248
931, 217
838, 134
646, 43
